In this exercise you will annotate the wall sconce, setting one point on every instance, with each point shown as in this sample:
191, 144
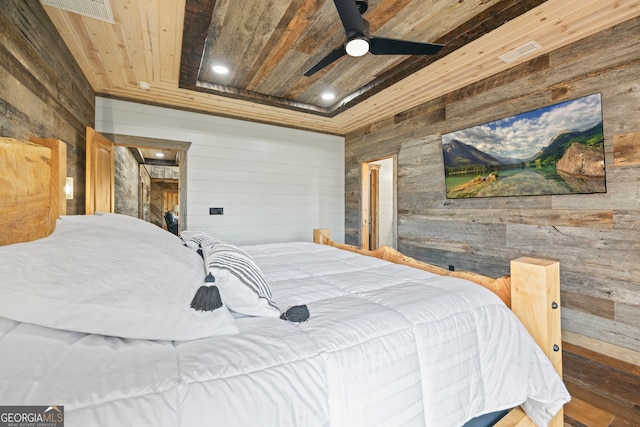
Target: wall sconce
68, 188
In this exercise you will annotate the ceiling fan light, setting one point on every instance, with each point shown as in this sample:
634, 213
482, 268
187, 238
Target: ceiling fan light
220, 69
357, 46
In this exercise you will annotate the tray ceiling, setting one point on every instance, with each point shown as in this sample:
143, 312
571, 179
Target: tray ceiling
268, 45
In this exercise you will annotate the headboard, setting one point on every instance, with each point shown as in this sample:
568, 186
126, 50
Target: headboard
31, 188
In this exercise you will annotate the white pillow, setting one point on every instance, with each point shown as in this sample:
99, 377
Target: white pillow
243, 287
197, 239
110, 275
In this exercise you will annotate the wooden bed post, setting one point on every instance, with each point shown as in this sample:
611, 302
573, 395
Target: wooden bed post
535, 299
319, 235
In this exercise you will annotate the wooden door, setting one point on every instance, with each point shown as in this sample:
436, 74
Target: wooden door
170, 199
374, 206
378, 203
364, 205
370, 205
100, 177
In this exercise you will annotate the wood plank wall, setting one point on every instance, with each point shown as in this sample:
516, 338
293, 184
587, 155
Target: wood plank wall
43, 92
595, 237
127, 185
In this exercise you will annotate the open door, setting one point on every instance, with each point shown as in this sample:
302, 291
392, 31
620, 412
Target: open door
370, 227
365, 212
170, 199
100, 183
378, 204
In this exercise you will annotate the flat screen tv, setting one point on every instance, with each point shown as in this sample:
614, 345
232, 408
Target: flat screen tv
557, 149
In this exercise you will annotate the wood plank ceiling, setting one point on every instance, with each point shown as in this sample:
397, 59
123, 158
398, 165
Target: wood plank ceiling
269, 44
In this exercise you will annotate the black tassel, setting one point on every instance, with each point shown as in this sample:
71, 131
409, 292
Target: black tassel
297, 313
207, 298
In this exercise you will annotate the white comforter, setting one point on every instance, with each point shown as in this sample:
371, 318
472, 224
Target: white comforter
386, 345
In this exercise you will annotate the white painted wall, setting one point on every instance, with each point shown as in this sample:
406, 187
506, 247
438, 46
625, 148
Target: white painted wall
275, 184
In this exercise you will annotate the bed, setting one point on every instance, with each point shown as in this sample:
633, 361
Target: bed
122, 323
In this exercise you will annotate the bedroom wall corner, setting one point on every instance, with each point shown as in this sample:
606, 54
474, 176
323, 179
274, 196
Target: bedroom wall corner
44, 92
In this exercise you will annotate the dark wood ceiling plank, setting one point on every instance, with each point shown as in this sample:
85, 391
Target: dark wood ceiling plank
240, 40
291, 27
379, 16
197, 18
324, 30
299, 28
490, 19
213, 33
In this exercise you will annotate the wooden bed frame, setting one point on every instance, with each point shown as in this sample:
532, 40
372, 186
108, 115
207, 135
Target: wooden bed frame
532, 292
32, 196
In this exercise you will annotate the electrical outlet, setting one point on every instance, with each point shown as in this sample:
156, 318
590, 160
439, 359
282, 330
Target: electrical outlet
216, 211
452, 268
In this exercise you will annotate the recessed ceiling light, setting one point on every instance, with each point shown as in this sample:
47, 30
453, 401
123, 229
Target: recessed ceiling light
144, 85
328, 96
220, 69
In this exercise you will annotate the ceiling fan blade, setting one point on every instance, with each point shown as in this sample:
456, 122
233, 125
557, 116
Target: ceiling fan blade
351, 19
384, 46
330, 58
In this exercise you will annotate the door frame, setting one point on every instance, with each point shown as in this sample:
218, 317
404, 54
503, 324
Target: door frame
365, 202
181, 146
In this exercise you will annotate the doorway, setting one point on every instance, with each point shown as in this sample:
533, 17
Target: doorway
379, 201
156, 181
146, 183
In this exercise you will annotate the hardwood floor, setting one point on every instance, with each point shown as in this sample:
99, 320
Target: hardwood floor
605, 391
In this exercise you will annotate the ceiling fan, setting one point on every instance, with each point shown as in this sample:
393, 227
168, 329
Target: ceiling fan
359, 41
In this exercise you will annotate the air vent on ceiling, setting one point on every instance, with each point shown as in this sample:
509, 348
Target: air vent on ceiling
518, 53
98, 9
